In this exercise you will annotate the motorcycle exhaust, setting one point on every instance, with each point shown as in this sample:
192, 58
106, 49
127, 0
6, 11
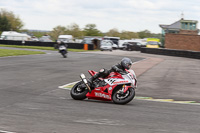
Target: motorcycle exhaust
82, 76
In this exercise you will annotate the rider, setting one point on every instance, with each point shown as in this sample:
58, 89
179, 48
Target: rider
60, 43
120, 67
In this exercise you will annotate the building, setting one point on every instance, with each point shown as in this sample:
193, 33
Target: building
181, 27
95, 40
182, 34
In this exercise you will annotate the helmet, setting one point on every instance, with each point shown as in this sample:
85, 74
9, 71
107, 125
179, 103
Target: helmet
126, 63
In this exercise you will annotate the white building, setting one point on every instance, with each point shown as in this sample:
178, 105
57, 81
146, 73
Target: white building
13, 35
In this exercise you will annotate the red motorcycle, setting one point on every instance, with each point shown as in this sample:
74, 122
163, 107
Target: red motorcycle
116, 87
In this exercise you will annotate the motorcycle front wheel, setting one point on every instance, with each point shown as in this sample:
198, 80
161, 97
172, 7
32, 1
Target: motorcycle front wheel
119, 97
77, 93
64, 55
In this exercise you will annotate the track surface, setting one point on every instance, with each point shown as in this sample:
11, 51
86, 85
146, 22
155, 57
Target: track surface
31, 102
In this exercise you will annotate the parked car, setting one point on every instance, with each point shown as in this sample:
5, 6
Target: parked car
153, 44
33, 38
45, 39
106, 45
130, 46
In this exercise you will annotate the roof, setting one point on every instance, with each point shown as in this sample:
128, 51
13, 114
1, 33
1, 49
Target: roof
177, 24
13, 33
65, 36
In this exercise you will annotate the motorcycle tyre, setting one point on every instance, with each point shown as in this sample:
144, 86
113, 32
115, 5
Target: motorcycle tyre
80, 96
64, 54
127, 99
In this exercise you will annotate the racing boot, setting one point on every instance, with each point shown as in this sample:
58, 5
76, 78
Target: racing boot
91, 80
102, 73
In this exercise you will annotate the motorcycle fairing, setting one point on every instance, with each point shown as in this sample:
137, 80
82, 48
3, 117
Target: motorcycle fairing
113, 80
118, 80
62, 48
91, 72
102, 93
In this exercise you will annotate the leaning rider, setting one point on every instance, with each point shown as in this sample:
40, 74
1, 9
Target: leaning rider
125, 63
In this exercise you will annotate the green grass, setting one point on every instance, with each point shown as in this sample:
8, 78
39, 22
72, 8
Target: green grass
29, 47
44, 48
11, 52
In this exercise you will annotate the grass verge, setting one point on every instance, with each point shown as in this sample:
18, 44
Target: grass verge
11, 52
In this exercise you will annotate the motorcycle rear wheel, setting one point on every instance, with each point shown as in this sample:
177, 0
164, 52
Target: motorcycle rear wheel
124, 98
77, 93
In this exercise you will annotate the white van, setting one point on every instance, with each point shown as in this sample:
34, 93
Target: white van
13, 35
115, 40
65, 38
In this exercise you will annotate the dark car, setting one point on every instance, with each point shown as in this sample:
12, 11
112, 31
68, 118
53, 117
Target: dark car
132, 46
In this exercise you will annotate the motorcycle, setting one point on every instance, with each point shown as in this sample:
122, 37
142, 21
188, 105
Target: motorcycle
116, 87
63, 51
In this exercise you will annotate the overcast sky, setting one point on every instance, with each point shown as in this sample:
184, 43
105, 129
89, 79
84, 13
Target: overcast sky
129, 15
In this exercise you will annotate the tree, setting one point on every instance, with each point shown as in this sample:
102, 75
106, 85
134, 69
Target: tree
113, 32
128, 35
15, 22
90, 30
37, 34
4, 23
74, 30
58, 30
144, 34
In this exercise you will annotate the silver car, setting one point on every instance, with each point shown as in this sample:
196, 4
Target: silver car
106, 45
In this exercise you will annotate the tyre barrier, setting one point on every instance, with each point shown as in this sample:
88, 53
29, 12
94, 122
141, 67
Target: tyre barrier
46, 44
172, 52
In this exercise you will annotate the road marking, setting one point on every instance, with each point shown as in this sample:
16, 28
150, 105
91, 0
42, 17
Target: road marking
2, 131
101, 122
69, 84
167, 100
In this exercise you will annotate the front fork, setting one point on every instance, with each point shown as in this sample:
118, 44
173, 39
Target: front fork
82, 76
125, 88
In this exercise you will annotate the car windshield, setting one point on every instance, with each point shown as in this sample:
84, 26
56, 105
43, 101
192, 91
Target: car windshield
114, 40
106, 44
152, 43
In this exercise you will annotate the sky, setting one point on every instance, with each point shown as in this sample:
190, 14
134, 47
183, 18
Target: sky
128, 15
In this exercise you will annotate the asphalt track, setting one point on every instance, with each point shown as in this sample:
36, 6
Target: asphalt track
31, 102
